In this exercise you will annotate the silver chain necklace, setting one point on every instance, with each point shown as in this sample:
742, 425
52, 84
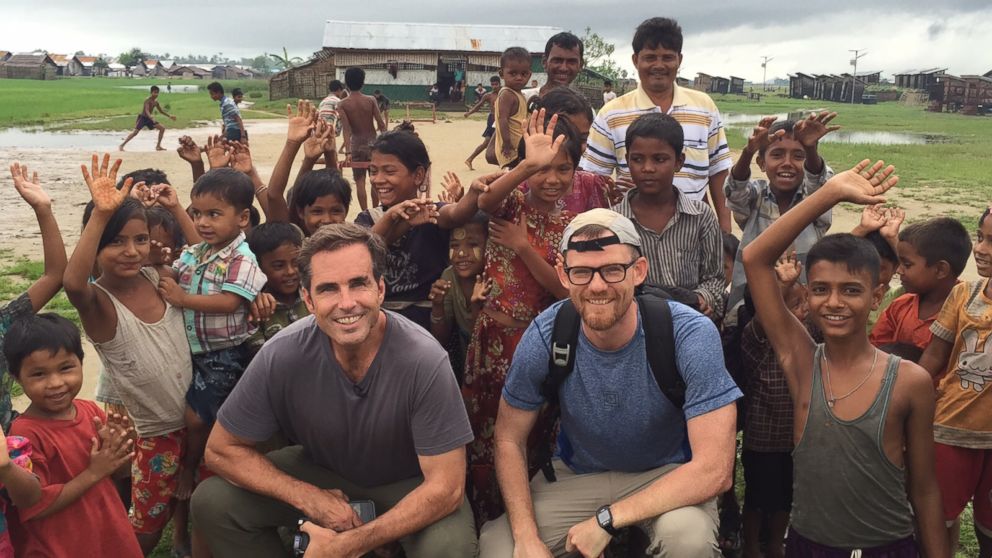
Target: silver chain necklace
831, 400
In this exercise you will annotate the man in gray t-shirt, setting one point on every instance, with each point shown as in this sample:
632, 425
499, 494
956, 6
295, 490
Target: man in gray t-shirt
372, 401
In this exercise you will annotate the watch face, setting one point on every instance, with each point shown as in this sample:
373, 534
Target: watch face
604, 515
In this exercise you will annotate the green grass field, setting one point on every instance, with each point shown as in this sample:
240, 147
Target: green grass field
949, 178
110, 104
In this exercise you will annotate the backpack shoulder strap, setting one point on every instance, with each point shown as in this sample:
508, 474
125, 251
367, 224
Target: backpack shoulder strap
564, 343
659, 333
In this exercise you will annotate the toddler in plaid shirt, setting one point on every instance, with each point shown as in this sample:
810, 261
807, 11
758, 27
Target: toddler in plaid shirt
215, 282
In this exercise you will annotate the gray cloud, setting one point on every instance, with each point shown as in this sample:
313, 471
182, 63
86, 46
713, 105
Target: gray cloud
249, 27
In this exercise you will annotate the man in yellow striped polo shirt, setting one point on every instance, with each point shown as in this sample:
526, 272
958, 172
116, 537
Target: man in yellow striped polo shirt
657, 56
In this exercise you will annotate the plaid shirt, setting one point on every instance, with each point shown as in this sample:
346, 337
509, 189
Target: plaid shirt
768, 415
231, 270
17, 309
755, 208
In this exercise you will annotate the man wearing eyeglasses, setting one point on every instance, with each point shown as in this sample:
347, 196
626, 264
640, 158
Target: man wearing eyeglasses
627, 456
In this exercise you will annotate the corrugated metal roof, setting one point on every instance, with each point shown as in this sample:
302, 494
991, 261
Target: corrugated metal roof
434, 36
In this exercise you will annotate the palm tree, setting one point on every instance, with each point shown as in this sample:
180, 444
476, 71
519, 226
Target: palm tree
284, 61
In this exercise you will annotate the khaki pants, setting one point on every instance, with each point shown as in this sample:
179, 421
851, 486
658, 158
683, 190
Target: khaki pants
688, 532
238, 523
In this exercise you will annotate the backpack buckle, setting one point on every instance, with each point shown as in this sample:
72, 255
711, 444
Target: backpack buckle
560, 354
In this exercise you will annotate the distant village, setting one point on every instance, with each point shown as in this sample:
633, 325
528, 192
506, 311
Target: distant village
401, 70
43, 65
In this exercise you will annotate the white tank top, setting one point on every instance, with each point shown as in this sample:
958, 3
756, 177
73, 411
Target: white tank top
149, 366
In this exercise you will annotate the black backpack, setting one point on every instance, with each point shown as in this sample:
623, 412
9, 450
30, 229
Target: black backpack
656, 318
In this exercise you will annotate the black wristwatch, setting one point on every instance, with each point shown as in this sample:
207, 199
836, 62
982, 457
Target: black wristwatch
605, 519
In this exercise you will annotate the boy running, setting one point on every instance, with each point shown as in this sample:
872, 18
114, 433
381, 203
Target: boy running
145, 120
487, 135
863, 419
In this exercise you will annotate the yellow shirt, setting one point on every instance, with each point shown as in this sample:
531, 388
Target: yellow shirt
516, 125
963, 416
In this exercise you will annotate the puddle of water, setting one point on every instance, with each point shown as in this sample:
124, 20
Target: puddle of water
745, 123
738, 119
39, 138
873, 138
175, 88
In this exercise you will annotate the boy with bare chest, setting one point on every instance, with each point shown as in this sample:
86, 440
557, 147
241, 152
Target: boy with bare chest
360, 117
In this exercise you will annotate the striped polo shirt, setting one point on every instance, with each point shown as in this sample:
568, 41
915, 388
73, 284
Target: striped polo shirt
706, 150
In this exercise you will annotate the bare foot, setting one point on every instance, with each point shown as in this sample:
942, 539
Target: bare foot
120, 147
468, 163
157, 148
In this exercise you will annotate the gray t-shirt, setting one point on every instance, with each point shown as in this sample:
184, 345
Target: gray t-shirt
370, 433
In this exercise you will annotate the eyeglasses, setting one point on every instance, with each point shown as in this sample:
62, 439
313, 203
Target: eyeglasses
611, 273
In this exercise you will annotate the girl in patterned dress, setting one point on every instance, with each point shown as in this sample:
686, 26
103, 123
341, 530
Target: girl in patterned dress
525, 231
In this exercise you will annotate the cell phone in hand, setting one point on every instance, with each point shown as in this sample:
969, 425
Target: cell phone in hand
365, 509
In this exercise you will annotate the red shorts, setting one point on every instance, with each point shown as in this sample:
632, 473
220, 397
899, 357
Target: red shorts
965, 474
154, 479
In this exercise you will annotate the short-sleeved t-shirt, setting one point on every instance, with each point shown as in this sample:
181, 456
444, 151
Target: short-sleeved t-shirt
230, 113
901, 323
614, 416
414, 261
370, 433
964, 396
233, 269
96, 524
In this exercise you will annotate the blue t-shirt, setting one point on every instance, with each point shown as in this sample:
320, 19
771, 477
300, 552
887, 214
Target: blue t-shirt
614, 416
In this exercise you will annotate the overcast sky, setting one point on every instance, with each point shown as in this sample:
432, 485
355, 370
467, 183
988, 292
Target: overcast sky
721, 37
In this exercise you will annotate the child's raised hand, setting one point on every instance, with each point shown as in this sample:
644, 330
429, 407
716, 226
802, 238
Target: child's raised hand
480, 290
300, 123
143, 193
760, 138
453, 189
218, 152
166, 196
241, 158
540, 144
189, 151
28, 186
438, 290
788, 269
509, 234
895, 217
415, 212
873, 218
111, 449
102, 183
313, 146
809, 130
864, 184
